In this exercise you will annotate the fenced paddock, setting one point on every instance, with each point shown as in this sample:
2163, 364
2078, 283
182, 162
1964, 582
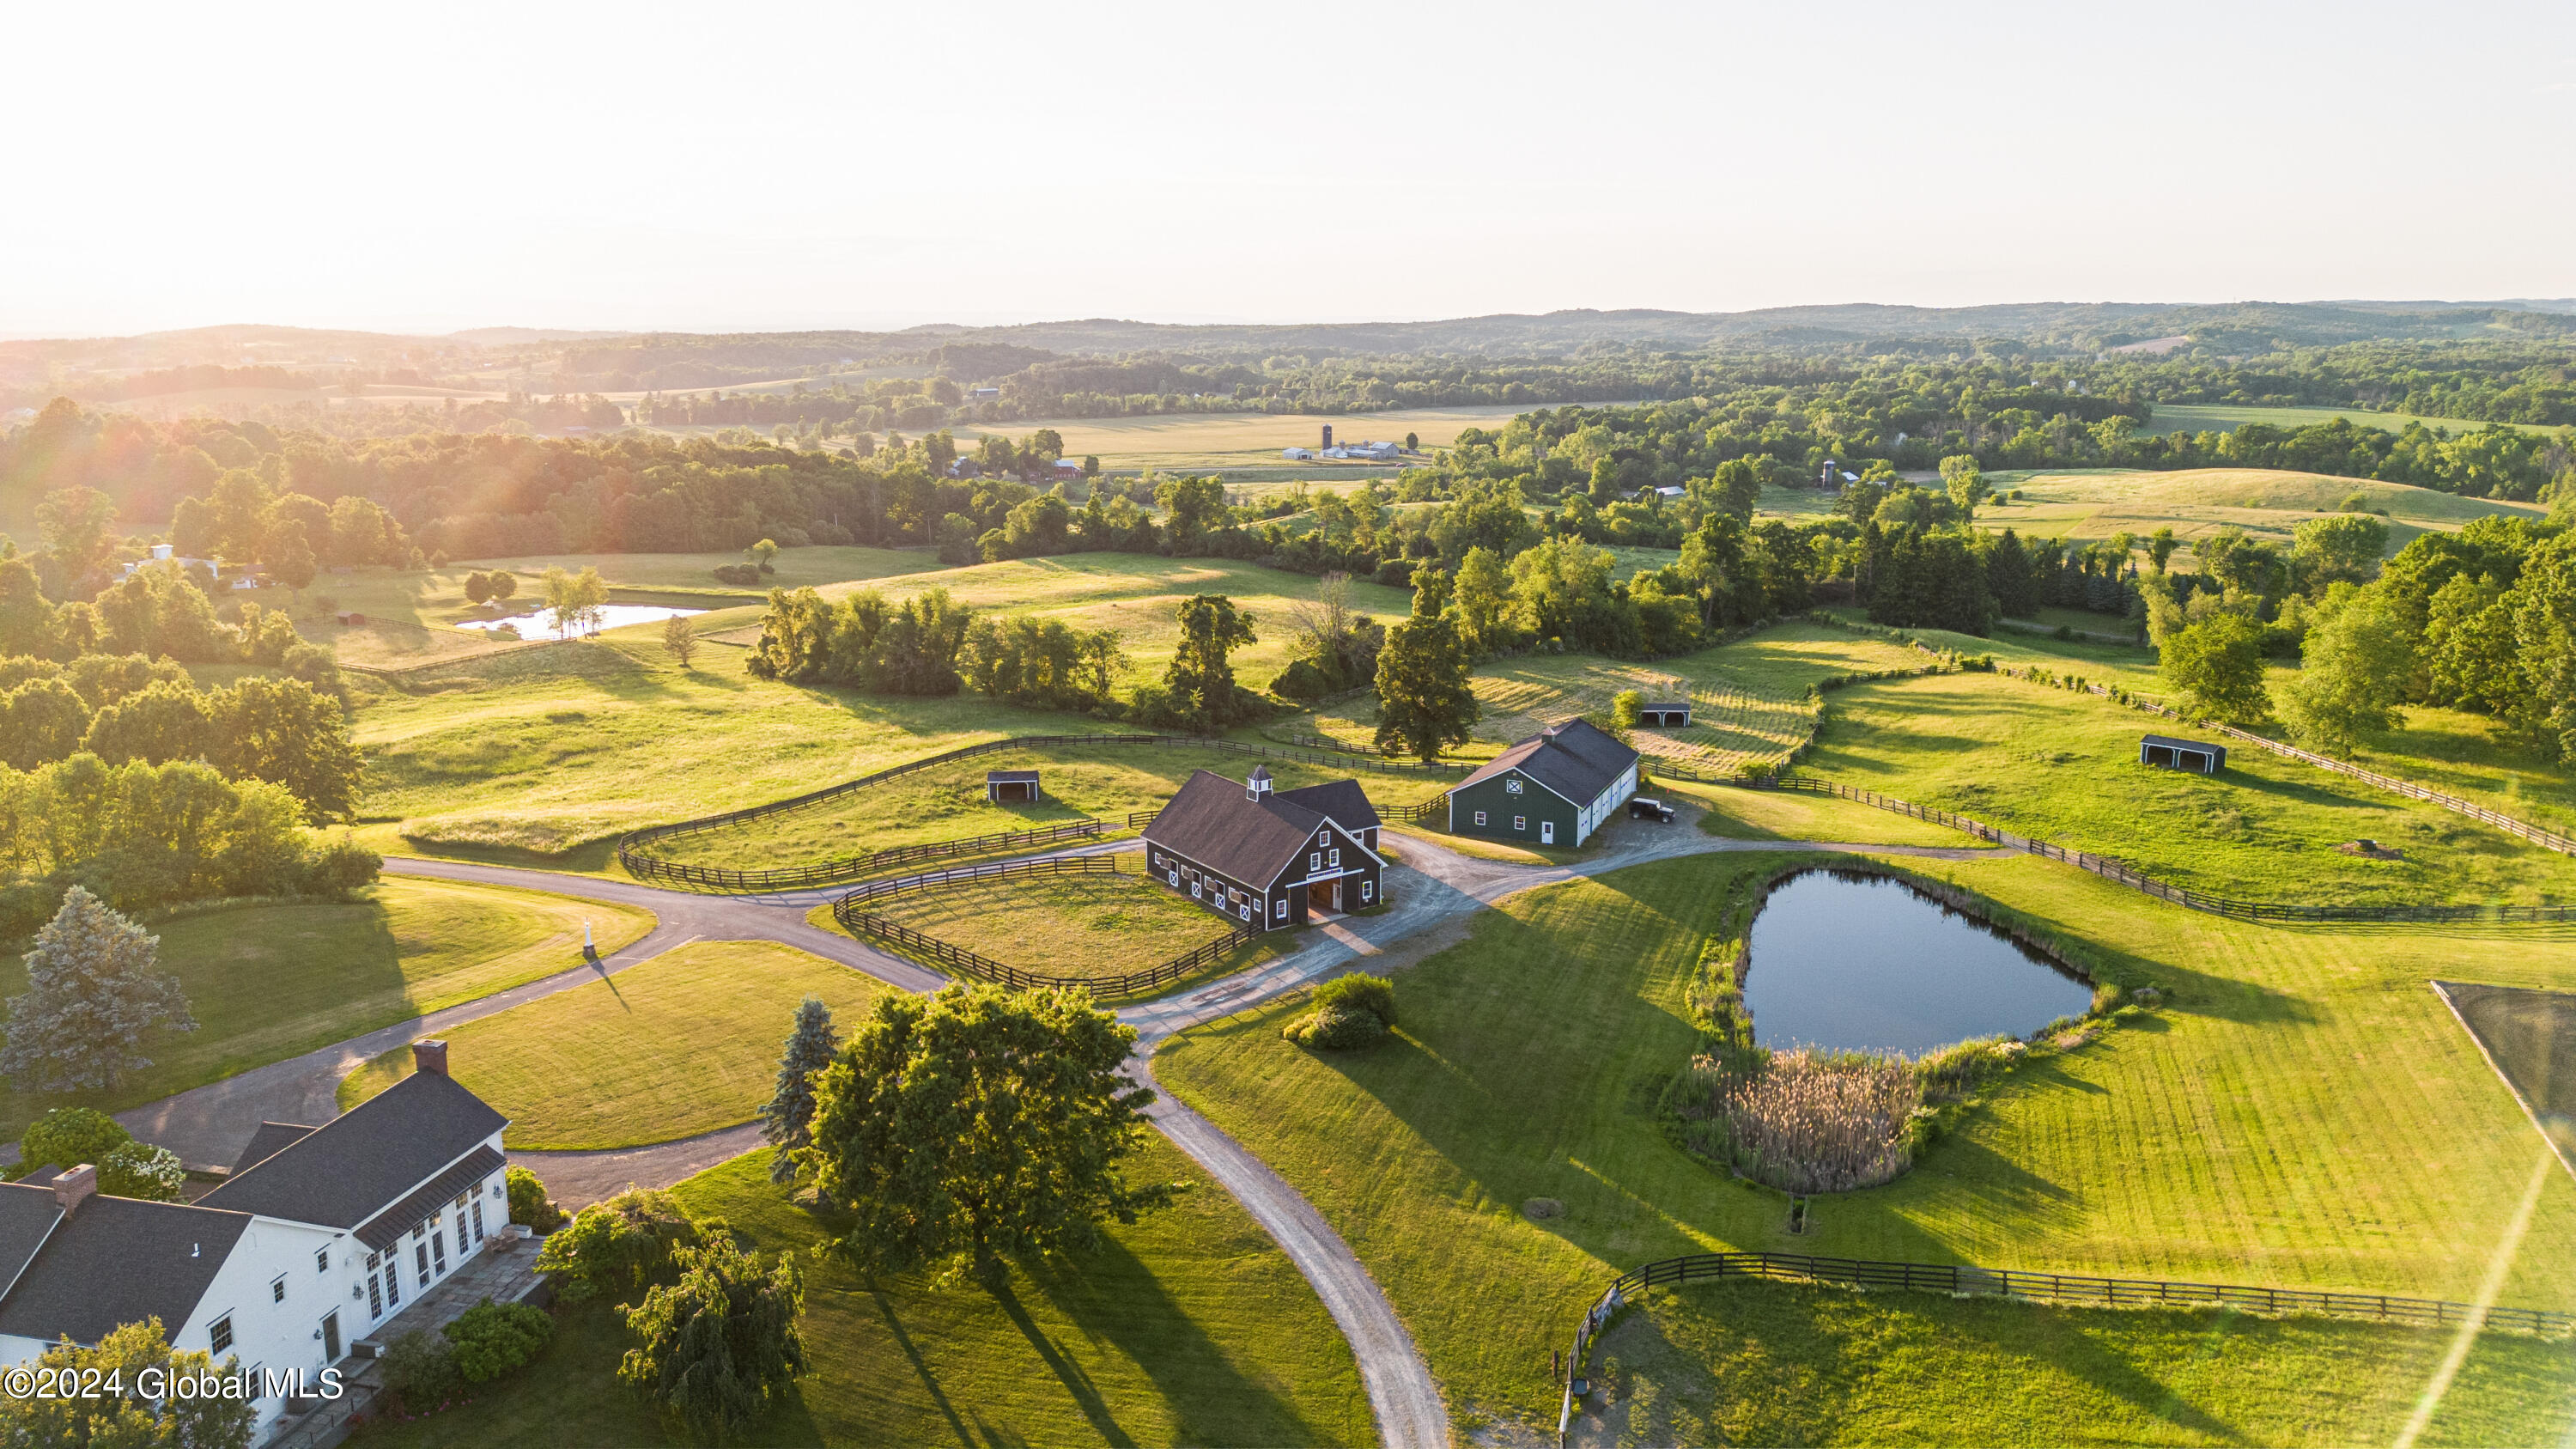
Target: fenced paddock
853, 913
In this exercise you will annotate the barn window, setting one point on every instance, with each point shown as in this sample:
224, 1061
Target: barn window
1480, 817
1520, 822
1314, 860
1324, 836
1194, 888
1368, 888
1279, 909
1172, 876
1337, 857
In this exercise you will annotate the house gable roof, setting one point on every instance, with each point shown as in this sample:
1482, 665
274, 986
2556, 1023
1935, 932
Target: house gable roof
344, 1173
267, 1142
1213, 822
387, 1227
113, 1261
1574, 759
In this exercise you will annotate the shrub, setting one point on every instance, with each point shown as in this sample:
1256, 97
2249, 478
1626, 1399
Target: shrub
493, 1338
529, 1205
1335, 1028
139, 1169
1301, 680
420, 1372
341, 869
737, 574
68, 1137
1374, 994
1623, 708
1395, 573
622, 1244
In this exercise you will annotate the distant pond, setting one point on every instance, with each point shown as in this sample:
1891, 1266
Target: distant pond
1849, 961
534, 626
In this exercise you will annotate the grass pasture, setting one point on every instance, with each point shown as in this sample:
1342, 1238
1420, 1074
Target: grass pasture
2302, 1112
682, 1044
1764, 1363
268, 982
946, 802
2062, 767
1190, 1327
1747, 697
1224, 442
2228, 417
1090, 926
2092, 504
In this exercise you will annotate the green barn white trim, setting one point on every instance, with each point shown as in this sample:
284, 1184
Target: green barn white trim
1554, 788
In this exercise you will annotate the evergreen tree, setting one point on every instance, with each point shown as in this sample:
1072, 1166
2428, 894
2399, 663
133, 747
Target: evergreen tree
2008, 575
93, 990
787, 1123
1424, 702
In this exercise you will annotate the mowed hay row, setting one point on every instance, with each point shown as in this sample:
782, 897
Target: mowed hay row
1087, 926
946, 802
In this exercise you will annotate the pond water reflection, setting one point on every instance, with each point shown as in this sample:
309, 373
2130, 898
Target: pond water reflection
1862, 962
540, 625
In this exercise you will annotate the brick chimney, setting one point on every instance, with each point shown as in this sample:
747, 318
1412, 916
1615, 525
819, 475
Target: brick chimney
75, 1187
429, 1056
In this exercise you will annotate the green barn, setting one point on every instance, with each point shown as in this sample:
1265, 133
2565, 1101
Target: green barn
1554, 788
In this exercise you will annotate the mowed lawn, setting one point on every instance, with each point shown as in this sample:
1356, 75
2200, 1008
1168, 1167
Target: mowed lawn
1197, 442
1090, 926
946, 802
2303, 1112
685, 1043
2269, 503
1190, 1327
267, 982
2062, 767
1767, 1363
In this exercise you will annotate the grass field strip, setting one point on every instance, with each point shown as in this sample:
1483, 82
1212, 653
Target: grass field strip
850, 911
1962, 1280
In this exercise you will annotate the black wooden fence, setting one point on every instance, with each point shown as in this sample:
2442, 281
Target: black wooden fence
852, 867
2058, 1287
643, 865
850, 910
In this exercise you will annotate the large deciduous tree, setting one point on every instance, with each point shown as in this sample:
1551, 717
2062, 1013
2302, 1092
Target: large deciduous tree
94, 988
1424, 704
126, 1415
1201, 683
2355, 664
979, 1128
2216, 666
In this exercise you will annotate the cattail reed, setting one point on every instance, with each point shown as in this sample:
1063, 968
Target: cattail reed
1808, 1121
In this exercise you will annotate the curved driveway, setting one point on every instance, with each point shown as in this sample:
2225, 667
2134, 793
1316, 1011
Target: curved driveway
1437, 887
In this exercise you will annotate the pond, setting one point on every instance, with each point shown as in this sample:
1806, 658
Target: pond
1859, 962
535, 625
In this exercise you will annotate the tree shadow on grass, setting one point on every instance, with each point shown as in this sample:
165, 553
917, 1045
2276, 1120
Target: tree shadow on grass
1114, 1297
1086, 1396
920, 1367
2086, 1356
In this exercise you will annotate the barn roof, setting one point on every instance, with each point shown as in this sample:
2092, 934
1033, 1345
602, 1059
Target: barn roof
1010, 777
1213, 822
1665, 704
1575, 758
2170, 742
1343, 800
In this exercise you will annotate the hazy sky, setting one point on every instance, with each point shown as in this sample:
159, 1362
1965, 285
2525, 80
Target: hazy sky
716, 166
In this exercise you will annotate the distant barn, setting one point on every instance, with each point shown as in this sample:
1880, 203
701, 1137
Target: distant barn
1003, 787
1666, 714
2167, 753
351, 620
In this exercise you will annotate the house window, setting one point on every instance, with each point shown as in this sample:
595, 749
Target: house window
221, 1335
375, 1295
393, 1282
1520, 822
277, 1290
250, 1376
1367, 888
1279, 910
321, 1260
420, 1259
478, 1220
1480, 817
438, 1247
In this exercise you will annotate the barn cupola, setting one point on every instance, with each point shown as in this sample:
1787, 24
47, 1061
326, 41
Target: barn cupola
1257, 785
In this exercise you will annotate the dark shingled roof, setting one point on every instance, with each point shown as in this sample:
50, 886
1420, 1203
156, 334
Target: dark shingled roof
1010, 777
1213, 822
1343, 800
117, 1260
2171, 743
27, 1211
1576, 759
386, 1227
265, 1144
344, 1173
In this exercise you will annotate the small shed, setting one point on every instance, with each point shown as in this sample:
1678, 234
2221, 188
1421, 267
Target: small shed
1665, 713
2167, 753
1003, 787
350, 620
